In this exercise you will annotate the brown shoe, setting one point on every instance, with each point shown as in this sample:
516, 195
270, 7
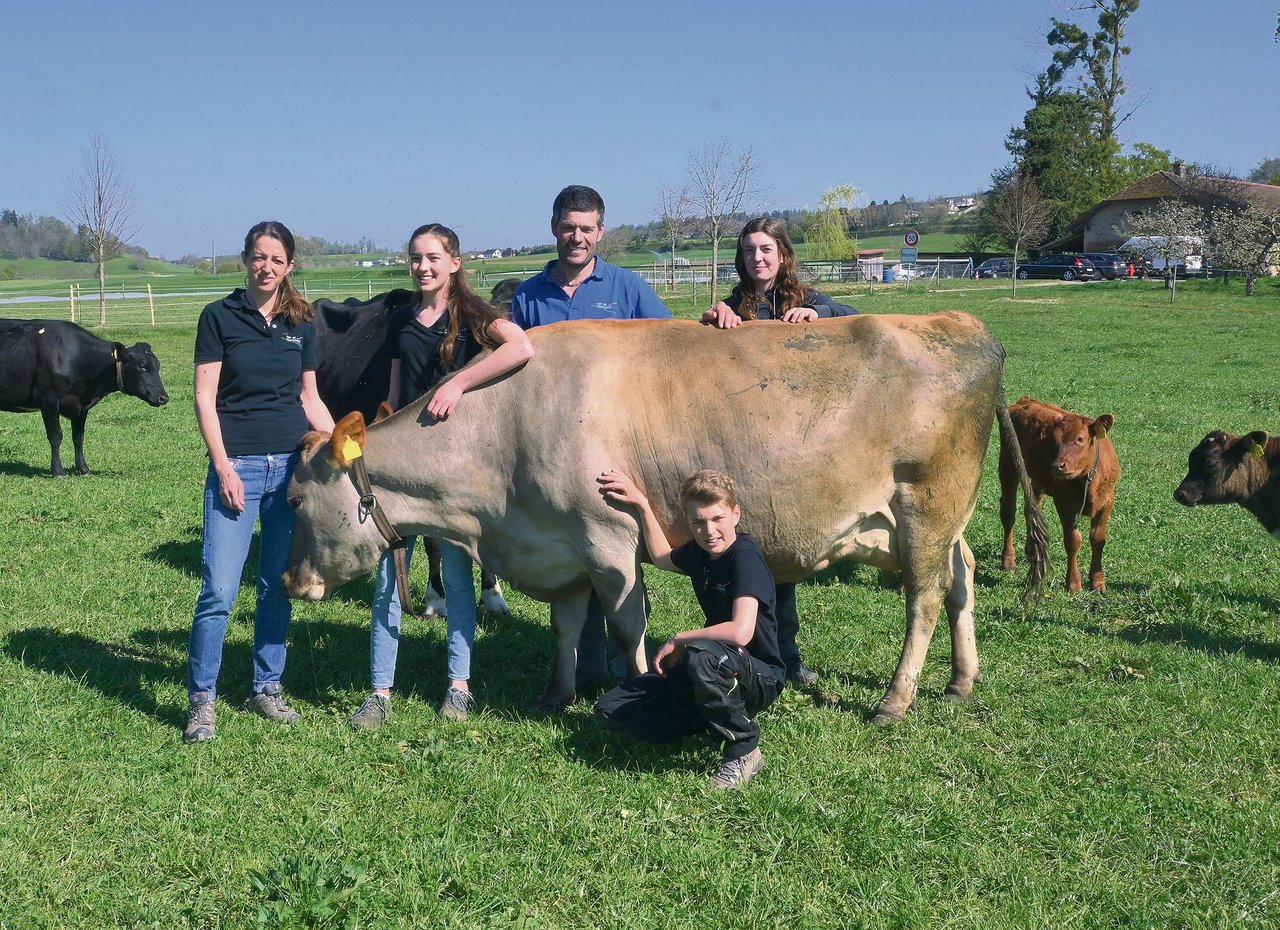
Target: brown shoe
734, 773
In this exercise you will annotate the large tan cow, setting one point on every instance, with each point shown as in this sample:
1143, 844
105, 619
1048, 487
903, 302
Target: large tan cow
855, 438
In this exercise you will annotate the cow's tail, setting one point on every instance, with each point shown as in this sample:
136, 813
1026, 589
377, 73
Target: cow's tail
1037, 552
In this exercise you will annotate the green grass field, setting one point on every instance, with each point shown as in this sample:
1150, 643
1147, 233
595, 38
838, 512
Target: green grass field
1119, 766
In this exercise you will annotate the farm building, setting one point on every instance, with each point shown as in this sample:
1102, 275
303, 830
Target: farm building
1106, 226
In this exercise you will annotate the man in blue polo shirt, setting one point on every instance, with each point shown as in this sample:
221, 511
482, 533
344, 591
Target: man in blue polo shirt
580, 285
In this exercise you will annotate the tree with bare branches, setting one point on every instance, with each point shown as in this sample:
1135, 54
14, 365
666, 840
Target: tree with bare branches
1021, 214
1169, 230
722, 182
1247, 238
100, 202
673, 219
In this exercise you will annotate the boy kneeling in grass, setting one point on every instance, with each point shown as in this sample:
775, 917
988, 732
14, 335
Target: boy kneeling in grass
713, 680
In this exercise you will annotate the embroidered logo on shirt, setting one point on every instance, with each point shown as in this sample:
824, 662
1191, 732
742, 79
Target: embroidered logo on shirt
609, 308
292, 340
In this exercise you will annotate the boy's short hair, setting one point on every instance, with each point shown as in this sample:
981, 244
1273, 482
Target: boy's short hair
707, 487
577, 198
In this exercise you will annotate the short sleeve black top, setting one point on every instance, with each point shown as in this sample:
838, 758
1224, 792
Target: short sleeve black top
767, 309
740, 571
259, 400
418, 349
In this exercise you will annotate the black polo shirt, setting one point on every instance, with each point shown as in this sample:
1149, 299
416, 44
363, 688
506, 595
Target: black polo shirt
418, 349
740, 571
259, 400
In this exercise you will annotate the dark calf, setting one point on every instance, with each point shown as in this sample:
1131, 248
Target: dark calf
1070, 458
60, 369
1244, 470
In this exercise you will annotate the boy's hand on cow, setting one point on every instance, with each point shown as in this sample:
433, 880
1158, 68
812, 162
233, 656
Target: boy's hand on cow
445, 400
721, 317
800, 315
621, 489
231, 488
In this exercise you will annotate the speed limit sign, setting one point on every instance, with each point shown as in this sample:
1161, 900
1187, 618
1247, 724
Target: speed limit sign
912, 238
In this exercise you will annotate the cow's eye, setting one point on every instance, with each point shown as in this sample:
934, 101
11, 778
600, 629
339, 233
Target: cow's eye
295, 502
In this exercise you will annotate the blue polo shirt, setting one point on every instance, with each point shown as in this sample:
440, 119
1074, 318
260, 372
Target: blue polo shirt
259, 399
610, 293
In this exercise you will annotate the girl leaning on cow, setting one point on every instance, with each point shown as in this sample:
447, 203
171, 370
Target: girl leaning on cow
255, 396
439, 332
769, 288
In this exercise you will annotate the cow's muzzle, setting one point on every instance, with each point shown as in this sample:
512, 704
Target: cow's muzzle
304, 584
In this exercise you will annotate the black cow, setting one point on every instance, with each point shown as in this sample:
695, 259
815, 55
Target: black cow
354, 373
57, 367
1244, 470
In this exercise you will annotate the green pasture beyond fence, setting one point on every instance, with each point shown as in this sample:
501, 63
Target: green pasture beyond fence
1118, 767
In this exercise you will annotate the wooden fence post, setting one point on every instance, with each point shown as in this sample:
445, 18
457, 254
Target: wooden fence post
371, 290
304, 291
152, 302
72, 289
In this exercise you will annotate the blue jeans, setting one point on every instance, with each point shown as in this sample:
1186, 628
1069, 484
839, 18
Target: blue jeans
227, 535
459, 602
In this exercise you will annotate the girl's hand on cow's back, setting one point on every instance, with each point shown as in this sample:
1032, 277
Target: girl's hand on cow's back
721, 316
800, 315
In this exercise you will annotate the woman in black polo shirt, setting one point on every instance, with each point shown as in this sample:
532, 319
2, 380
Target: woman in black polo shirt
255, 389
769, 288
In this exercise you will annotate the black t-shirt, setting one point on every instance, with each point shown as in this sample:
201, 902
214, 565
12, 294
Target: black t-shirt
259, 399
740, 571
418, 349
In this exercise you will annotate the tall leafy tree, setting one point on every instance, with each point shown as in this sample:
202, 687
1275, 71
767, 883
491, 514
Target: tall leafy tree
1095, 57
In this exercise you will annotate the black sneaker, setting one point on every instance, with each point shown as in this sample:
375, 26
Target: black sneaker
800, 674
200, 725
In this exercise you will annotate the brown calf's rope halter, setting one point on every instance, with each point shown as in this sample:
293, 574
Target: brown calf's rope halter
1088, 479
368, 507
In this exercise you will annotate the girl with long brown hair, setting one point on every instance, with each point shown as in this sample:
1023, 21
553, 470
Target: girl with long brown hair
441, 330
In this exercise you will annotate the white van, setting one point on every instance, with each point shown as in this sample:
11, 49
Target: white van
1188, 260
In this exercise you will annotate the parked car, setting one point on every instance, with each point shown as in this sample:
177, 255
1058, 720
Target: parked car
1112, 264
1066, 267
994, 268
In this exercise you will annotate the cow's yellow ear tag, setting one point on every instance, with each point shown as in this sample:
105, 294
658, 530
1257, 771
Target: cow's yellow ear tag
1255, 450
1102, 432
351, 450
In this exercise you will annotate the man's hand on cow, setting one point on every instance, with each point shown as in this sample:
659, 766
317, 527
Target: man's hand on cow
721, 317
445, 400
800, 315
619, 488
231, 488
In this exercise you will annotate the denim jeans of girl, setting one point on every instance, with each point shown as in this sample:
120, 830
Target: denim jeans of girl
460, 606
227, 535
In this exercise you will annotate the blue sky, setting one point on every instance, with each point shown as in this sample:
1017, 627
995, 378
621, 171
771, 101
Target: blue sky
348, 119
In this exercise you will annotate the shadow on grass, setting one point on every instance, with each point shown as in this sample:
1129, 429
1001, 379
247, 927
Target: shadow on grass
1180, 633
23, 470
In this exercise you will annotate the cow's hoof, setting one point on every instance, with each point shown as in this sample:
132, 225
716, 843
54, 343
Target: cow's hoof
82, 471
1008, 564
494, 603
958, 694
434, 607
884, 718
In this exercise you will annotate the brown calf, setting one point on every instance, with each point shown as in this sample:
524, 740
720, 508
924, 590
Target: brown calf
1070, 458
1244, 470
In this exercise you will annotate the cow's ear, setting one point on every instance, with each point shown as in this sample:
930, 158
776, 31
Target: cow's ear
311, 440
1257, 443
1102, 425
347, 442
384, 411
117, 351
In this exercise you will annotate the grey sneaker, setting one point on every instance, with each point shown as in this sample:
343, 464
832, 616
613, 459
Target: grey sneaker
734, 773
273, 707
800, 674
456, 704
372, 714
200, 725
